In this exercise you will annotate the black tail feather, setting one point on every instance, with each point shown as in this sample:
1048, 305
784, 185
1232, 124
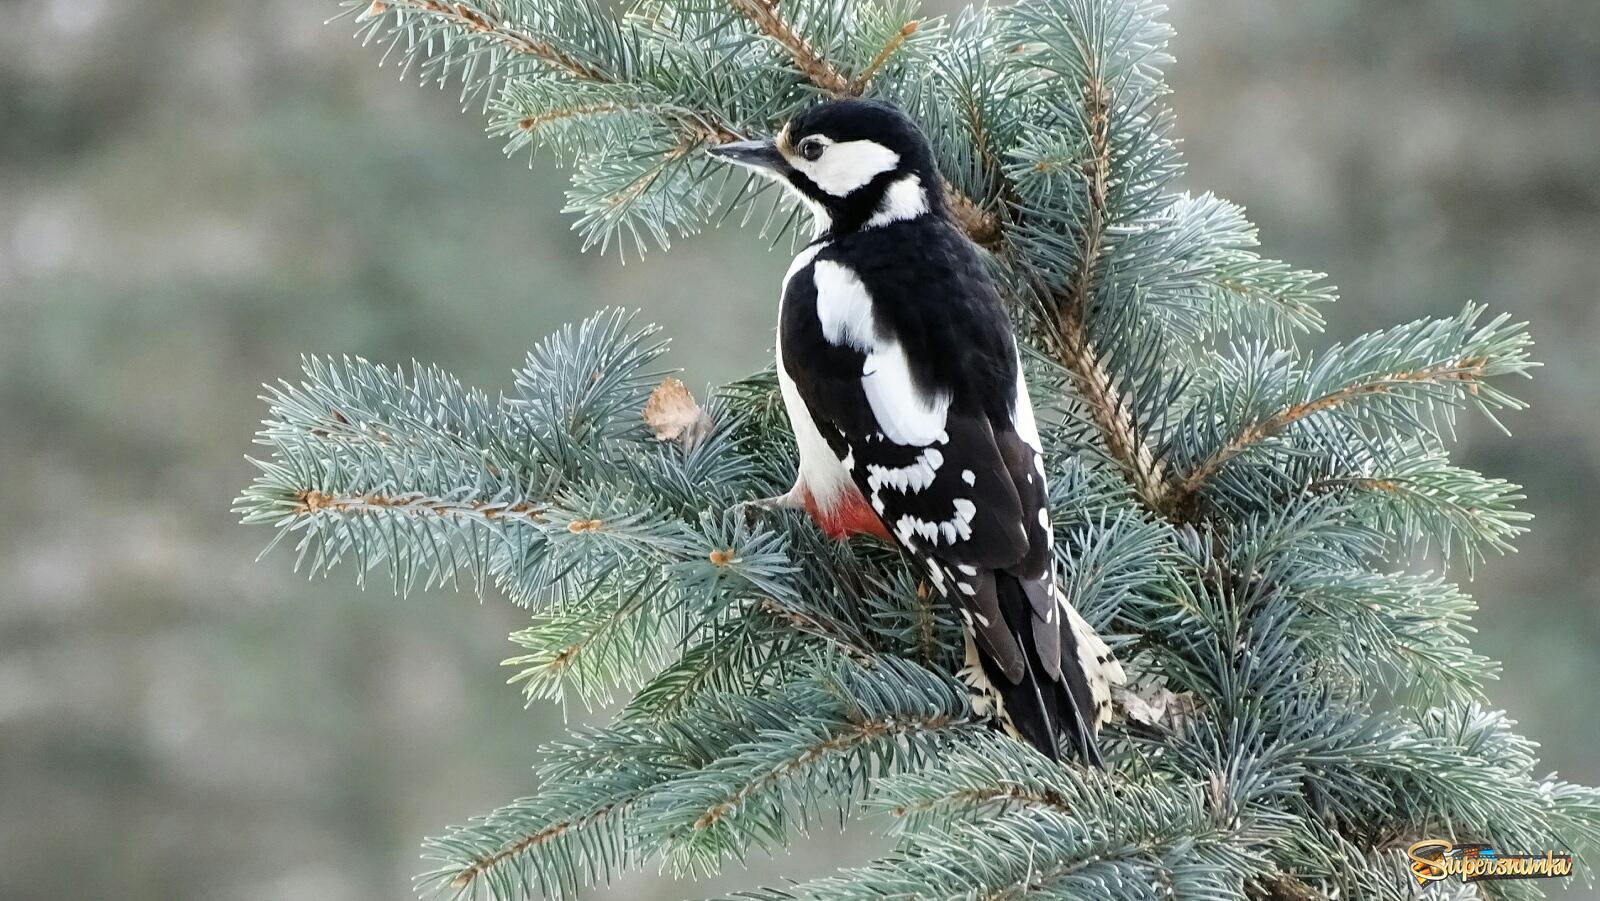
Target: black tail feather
1046, 712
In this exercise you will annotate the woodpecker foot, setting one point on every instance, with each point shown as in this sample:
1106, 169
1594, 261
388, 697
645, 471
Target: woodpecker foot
756, 511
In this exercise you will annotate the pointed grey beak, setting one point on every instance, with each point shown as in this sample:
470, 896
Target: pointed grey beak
762, 154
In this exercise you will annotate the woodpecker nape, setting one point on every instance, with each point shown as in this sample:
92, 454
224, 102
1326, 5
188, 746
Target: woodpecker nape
904, 386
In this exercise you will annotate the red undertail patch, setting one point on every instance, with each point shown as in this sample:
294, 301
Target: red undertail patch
849, 515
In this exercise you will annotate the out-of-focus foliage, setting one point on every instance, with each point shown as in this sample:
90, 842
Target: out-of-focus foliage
191, 196
193, 193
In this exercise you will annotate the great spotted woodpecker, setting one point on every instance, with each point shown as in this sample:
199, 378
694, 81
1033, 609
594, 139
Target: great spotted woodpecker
903, 384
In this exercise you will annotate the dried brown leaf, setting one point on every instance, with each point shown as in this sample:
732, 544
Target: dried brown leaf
673, 415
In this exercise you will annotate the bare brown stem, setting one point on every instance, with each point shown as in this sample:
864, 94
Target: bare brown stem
311, 501
534, 123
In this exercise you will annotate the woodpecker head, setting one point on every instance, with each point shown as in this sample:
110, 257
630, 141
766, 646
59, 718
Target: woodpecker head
855, 163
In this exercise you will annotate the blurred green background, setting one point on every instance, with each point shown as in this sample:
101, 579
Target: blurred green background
194, 192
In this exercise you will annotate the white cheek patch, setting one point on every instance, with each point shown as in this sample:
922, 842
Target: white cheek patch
847, 165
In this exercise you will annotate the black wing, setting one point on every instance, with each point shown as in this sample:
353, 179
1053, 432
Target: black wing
950, 499
919, 394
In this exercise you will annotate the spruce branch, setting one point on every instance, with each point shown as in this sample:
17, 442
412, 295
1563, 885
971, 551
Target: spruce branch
736, 657
1284, 887
817, 625
980, 777
764, 15
1228, 511
1413, 375
579, 825
352, 501
1110, 409
1464, 370
1166, 850
596, 643
823, 742
473, 18
617, 795
465, 878
1095, 169
1424, 502
773, 768
1067, 306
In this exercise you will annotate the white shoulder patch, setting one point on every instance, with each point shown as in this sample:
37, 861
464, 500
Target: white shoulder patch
801, 261
843, 306
904, 412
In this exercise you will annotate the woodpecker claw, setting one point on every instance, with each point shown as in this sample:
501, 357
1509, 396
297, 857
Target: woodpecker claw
755, 511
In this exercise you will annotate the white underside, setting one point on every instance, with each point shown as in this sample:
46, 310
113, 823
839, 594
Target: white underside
821, 471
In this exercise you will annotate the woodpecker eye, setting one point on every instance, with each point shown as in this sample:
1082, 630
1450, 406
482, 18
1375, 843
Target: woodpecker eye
811, 149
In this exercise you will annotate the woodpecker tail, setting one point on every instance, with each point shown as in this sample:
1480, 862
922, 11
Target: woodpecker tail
1064, 693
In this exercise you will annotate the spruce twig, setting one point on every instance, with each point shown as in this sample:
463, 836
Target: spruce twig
1076, 352
1461, 372
471, 18
764, 15
858, 85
